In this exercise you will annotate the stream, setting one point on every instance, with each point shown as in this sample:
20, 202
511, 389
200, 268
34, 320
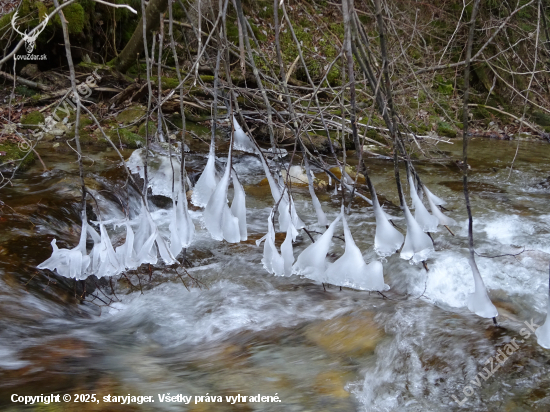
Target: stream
239, 330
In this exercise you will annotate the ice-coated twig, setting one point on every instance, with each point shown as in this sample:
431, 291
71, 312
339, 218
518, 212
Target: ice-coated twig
273, 262
418, 245
427, 222
238, 206
479, 302
181, 227
387, 239
441, 217
206, 184
321, 217
242, 140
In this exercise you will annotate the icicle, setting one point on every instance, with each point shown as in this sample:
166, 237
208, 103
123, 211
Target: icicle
125, 253
418, 245
436, 200
287, 252
285, 217
350, 269
311, 262
321, 217
218, 218
104, 259
479, 302
273, 262
206, 184
427, 222
543, 332
387, 239
443, 220
238, 206
144, 239
181, 227
70, 263
242, 140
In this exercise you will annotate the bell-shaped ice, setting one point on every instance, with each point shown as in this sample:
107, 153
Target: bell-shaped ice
104, 259
273, 262
206, 184
287, 251
479, 302
441, 217
350, 269
418, 245
181, 226
144, 238
387, 239
436, 200
427, 222
241, 141
311, 263
125, 253
70, 263
218, 219
321, 217
238, 206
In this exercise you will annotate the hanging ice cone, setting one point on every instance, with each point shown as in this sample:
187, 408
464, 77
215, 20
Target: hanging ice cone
321, 217
479, 302
350, 269
285, 216
238, 206
441, 217
218, 218
144, 239
427, 222
125, 253
387, 239
287, 251
543, 332
70, 263
206, 184
181, 227
418, 245
273, 262
436, 200
311, 262
104, 259
241, 140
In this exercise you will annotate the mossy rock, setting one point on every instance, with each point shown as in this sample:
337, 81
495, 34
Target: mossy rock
152, 129
541, 118
32, 119
75, 15
11, 153
130, 139
166, 82
446, 129
131, 114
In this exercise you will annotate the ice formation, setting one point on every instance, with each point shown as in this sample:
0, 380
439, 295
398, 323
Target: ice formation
241, 140
287, 251
159, 171
125, 253
218, 219
418, 245
321, 217
387, 239
543, 332
311, 263
427, 222
442, 218
273, 262
70, 263
238, 206
281, 196
104, 259
350, 269
181, 226
479, 302
296, 175
206, 184
436, 200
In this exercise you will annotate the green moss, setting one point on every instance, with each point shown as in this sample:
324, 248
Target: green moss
443, 86
131, 114
127, 138
166, 82
152, 129
32, 118
11, 152
75, 15
541, 118
445, 129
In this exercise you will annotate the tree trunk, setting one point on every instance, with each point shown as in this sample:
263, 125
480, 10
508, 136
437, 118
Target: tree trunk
128, 56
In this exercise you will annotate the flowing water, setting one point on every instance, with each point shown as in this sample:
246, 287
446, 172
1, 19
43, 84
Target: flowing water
243, 331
